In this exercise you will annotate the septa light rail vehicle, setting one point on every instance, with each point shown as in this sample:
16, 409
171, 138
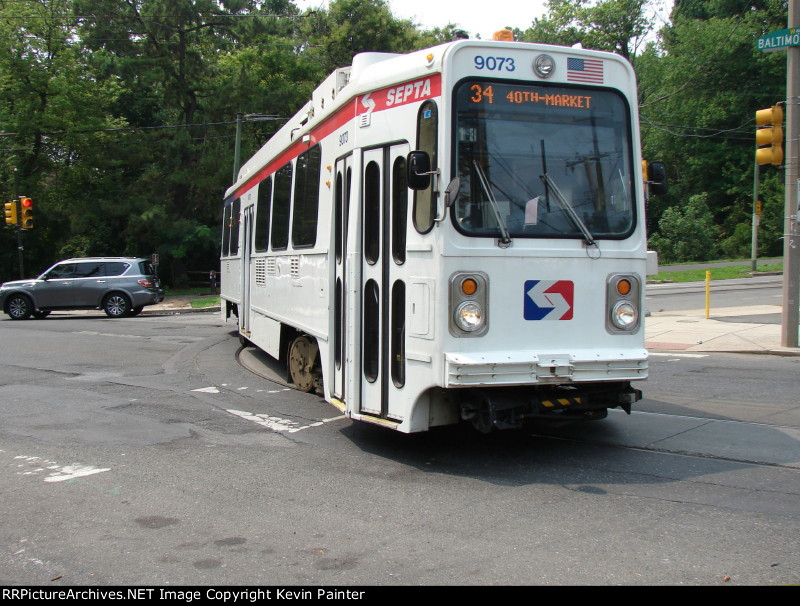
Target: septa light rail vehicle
452, 234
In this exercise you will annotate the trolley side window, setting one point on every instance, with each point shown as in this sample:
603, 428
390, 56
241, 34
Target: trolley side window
280, 207
235, 219
306, 198
226, 228
399, 210
337, 216
427, 141
372, 213
262, 214
372, 340
398, 344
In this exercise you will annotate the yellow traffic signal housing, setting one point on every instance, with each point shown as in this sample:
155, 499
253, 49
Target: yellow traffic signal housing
771, 135
26, 205
11, 213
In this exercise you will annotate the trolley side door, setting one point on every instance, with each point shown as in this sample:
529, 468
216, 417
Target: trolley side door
341, 212
247, 269
382, 280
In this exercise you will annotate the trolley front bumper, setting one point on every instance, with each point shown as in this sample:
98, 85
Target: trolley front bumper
523, 368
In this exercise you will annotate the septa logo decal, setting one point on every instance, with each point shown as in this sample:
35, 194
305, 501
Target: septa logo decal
548, 299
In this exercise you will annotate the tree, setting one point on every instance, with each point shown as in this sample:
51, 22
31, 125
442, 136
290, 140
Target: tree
52, 114
119, 115
618, 26
354, 26
698, 96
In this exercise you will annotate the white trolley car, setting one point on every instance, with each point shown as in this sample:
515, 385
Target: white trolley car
452, 234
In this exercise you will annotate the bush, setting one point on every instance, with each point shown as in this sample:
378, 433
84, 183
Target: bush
687, 234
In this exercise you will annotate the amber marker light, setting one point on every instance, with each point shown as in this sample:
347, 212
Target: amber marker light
624, 287
469, 286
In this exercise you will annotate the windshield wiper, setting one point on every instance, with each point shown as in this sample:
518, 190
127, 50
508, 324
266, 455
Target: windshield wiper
567, 207
505, 239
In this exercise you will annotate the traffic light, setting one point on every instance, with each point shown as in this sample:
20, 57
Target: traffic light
770, 135
26, 206
11, 213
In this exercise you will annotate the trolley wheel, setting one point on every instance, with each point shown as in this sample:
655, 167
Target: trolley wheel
302, 360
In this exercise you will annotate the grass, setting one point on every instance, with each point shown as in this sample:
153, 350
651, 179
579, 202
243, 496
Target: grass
189, 292
205, 302
728, 272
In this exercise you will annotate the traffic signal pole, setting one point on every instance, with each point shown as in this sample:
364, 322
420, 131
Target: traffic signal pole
791, 240
19, 227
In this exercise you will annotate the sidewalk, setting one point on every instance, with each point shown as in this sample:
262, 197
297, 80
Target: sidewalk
750, 329
180, 304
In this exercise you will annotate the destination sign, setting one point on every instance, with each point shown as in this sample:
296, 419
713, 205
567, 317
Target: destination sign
492, 94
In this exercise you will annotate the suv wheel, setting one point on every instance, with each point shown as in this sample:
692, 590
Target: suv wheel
19, 307
116, 305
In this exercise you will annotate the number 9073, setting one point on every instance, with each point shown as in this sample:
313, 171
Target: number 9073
495, 64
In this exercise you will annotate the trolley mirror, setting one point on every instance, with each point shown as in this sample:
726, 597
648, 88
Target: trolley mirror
451, 193
657, 177
419, 170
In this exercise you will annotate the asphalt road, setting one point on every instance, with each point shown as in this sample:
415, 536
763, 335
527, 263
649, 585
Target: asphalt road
139, 452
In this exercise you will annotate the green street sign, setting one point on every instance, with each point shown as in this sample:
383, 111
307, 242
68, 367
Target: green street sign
779, 40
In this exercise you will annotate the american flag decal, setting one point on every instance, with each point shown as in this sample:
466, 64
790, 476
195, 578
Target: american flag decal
584, 70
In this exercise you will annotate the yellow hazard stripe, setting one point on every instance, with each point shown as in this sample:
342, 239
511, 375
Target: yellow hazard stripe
561, 402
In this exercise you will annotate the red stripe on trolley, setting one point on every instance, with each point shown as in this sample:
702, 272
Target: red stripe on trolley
369, 103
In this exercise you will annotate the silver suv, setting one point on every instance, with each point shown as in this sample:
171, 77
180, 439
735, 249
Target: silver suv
120, 286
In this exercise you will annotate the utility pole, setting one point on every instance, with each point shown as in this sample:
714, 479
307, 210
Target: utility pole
791, 239
238, 144
788, 40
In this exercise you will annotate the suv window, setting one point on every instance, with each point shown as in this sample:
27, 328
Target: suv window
88, 270
116, 268
65, 270
146, 268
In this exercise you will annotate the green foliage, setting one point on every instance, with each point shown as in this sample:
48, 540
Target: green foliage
118, 117
686, 234
614, 25
698, 95
357, 25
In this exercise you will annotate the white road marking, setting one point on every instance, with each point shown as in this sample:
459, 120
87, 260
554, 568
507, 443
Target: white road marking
56, 472
278, 424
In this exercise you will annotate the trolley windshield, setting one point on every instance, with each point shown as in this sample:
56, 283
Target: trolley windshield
543, 162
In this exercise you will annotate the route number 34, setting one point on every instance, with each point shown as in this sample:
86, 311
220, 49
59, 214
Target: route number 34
495, 63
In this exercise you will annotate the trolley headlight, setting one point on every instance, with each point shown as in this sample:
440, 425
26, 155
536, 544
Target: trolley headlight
469, 316
469, 304
623, 303
623, 315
